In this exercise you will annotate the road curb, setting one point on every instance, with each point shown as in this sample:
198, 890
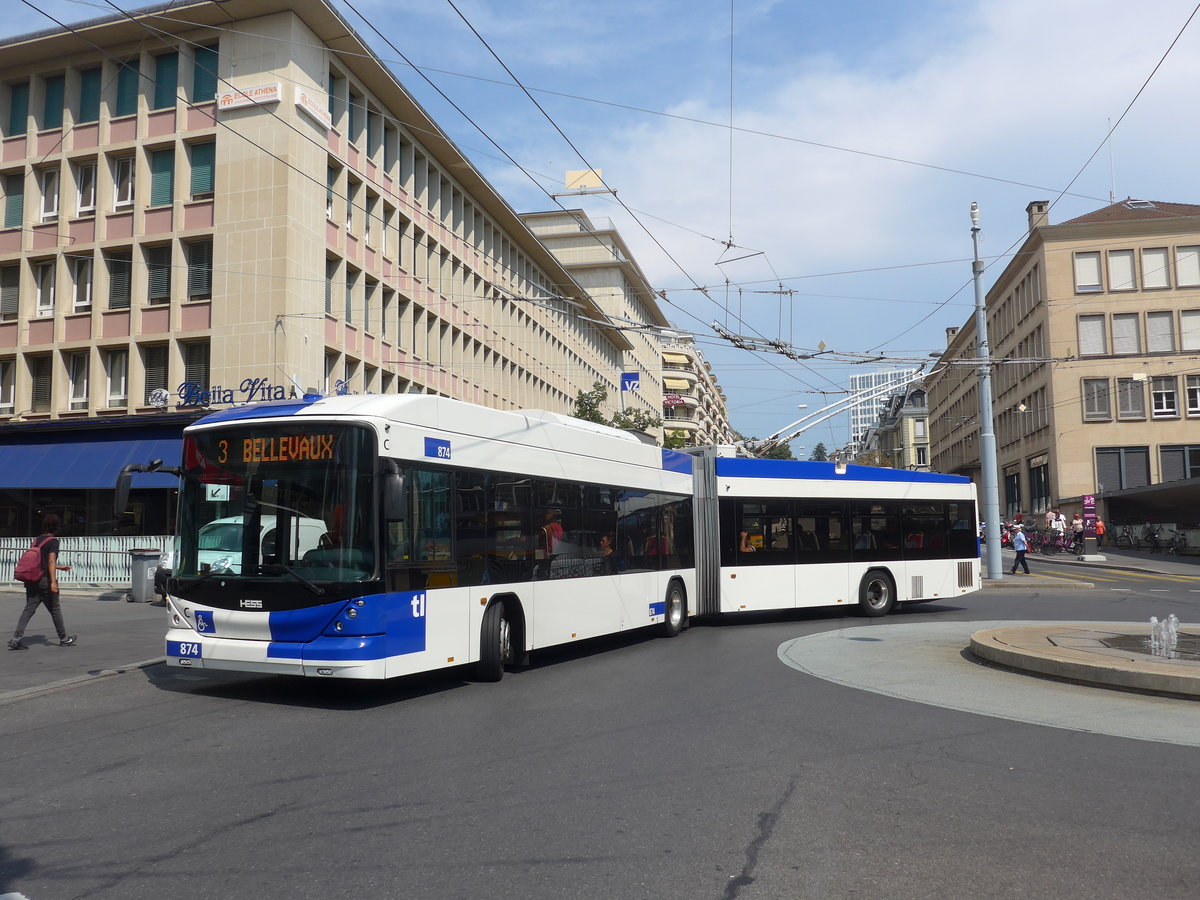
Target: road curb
66, 683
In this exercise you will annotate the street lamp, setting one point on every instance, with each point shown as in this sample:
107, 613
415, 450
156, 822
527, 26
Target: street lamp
987, 433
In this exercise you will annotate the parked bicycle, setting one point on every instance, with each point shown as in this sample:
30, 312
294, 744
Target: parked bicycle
1148, 540
1125, 539
1177, 545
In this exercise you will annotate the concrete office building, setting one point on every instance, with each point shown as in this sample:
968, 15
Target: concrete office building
865, 411
223, 202
1095, 329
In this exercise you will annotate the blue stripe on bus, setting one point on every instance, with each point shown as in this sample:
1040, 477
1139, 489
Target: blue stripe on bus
257, 411
302, 625
658, 609
385, 625
674, 461
733, 467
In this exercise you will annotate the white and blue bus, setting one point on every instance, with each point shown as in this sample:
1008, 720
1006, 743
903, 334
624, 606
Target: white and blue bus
377, 536
784, 534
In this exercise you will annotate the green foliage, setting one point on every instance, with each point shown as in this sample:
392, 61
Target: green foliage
781, 450
589, 404
819, 454
674, 441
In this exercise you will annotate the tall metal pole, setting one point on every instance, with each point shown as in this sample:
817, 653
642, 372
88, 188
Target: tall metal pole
987, 433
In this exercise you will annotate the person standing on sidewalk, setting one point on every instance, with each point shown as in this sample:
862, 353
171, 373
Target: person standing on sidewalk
1020, 544
45, 589
1100, 529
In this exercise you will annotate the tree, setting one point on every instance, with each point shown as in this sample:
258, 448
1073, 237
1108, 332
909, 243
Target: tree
819, 454
781, 450
588, 405
674, 440
636, 419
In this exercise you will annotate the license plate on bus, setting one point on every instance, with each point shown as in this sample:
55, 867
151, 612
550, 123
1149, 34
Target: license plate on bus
188, 649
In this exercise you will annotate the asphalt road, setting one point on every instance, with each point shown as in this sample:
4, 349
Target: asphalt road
699, 767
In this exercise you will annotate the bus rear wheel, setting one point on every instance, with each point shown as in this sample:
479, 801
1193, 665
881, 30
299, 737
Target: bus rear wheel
876, 595
495, 644
674, 611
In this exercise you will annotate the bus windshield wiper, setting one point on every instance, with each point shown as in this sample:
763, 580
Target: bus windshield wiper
185, 584
280, 567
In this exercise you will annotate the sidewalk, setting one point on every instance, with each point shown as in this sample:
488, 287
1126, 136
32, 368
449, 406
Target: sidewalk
1044, 568
112, 634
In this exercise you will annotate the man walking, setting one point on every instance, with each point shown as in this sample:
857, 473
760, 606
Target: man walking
1020, 544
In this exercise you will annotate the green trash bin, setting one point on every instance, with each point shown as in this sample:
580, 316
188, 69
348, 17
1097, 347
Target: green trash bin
143, 562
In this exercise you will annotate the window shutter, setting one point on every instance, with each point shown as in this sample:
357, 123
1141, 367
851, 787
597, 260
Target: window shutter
127, 89
1156, 268
1126, 338
1137, 467
162, 177
10, 292
1108, 470
156, 369
1131, 399
158, 273
14, 200
1087, 272
166, 80
89, 96
1189, 329
203, 160
195, 362
330, 271
200, 255
120, 270
1091, 335
1171, 461
1095, 399
52, 108
18, 109
1120, 270
39, 370
1160, 332
1187, 266
204, 75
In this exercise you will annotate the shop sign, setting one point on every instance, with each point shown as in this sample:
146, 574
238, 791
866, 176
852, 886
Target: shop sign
251, 390
253, 96
316, 108
672, 400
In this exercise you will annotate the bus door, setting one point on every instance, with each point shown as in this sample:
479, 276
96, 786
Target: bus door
763, 557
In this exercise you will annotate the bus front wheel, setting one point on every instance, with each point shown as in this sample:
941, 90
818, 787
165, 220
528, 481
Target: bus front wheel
674, 611
876, 595
495, 644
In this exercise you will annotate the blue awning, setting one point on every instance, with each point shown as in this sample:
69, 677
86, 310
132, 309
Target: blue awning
39, 462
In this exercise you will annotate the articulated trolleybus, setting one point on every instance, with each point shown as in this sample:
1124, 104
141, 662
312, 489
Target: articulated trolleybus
377, 536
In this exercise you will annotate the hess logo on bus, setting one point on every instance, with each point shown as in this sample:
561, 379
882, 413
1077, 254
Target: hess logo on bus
250, 604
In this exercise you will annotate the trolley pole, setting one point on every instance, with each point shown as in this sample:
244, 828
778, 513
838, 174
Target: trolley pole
987, 430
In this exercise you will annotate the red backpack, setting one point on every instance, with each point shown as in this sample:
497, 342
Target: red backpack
29, 566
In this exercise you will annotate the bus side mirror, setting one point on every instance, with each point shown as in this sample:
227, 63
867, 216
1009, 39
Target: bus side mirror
121, 501
395, 493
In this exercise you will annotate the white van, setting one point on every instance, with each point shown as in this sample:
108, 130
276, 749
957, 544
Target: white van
221, 541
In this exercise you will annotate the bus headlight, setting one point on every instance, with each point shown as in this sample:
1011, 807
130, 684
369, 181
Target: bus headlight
337, 626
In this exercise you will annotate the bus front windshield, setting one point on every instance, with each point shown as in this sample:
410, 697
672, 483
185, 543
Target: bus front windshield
278, 500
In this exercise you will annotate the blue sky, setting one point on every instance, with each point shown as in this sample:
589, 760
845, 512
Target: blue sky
860, 108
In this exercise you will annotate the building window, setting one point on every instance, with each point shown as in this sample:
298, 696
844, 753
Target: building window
1176, 463
1039, 487
48, 185
158, 274
1012, 495
204, 74
14, 200
120, 279
1092, 339
41, 373
123, 175
81, 278
10, 292
77, 371
1121, 276
351, 277
89, 97
1193, 395
330, 368
52, 103
1087, 273
162, 177
127, 89
1131, 399
8, 385
331, 176
1164, 399
200, 255
43, 279
922, 456
1189, 329
203, 163
116, 369
351, 200
196, 362
919, 430
166, 80
1118, 468
1127, 333
1160, 332
1096, 405
154, 361
18, 109
1187, 266
1156, 268
330, 274
85, 183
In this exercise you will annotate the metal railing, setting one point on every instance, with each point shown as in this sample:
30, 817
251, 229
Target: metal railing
93, 560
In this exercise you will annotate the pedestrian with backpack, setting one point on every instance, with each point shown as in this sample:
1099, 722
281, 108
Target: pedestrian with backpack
38, 569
